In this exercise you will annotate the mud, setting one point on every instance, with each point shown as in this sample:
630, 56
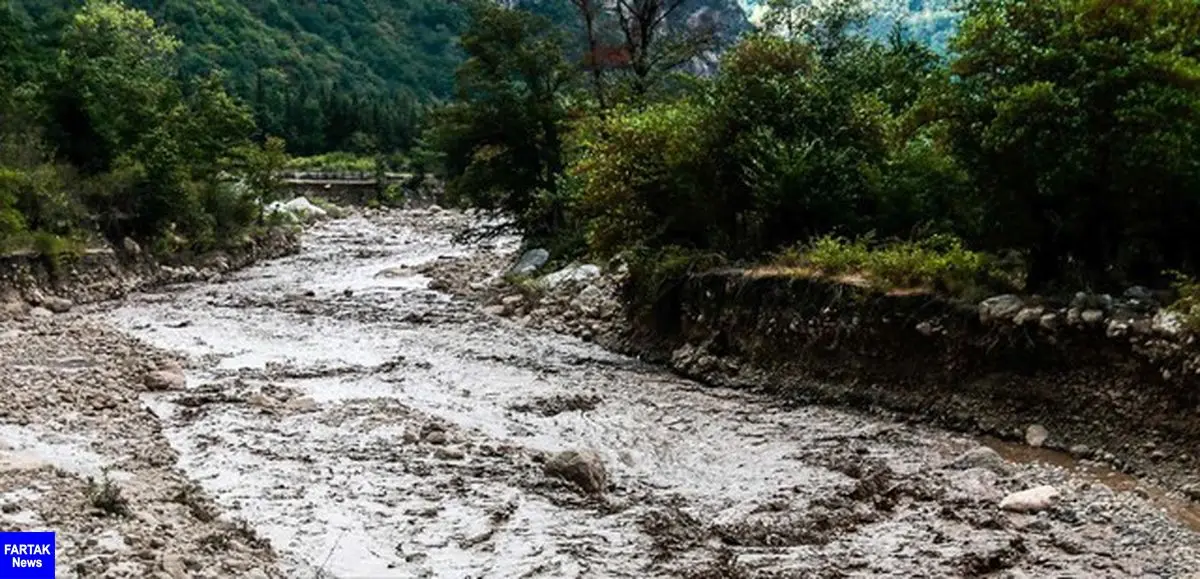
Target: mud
368, 425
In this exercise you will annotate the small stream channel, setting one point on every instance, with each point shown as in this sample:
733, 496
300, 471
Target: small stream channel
370, 427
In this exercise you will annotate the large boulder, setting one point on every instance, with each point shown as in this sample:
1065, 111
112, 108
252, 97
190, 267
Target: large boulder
168, 378
530, 262
583, 468
299, 210
57, 305
570, 274
1004, 307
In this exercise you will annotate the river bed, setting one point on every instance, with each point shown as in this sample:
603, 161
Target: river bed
368, 426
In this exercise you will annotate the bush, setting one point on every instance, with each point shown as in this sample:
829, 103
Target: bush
1187, 302
640, 180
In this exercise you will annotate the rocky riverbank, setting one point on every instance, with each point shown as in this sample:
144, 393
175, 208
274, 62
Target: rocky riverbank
1110, 381
80, 453
32, 284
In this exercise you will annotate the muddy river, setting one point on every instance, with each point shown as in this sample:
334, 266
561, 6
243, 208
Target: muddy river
371, 427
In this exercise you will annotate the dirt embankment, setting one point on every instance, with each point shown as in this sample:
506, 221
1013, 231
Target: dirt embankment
33, 284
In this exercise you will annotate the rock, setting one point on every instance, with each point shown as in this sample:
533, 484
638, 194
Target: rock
450, 453
1036, 435
131, 246
298, 209
1000, 308
436, 437
435, 209
1049, 322
162, 380
1167, 323
494, 310
13, 309
1028, 315
1081, 450
570, 274
1191, 491
301, 404
57, 305
530, 262
925, 329
981, 457
173, 565
1031, 500
974, 485
1091, 316
1139, 293
40, 312
584, 468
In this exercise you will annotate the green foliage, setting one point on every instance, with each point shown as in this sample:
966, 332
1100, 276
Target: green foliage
333, 162
1080, 123
1187, 302
641, 177
501, 140
261, 166
785, 144
940, 262
103, 135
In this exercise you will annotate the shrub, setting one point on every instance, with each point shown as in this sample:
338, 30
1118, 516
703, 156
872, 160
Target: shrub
1187, 302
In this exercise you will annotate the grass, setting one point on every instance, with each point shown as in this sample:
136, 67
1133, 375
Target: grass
936, 264
528, 286
192, 497
333, 162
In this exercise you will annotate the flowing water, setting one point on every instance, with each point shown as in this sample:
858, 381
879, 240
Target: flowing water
371, 427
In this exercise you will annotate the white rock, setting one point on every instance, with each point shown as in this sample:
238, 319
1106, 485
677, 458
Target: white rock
1036, 435
1000, 308
1031, 500
574, 273
1167, 322
40, 313
299, 208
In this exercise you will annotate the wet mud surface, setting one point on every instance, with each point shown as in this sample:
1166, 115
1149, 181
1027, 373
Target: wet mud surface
369, 426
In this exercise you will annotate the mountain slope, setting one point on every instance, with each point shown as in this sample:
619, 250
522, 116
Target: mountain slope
931, 22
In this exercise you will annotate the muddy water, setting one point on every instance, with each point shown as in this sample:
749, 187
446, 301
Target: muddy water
1182, 510
371, 427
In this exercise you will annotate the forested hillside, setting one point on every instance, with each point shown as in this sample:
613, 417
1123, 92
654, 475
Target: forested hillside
350, 75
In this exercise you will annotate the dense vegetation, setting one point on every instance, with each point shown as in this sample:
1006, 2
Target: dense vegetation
100, 135
1061, 135
351, 76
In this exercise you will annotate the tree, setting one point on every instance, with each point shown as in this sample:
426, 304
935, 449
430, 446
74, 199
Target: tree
116, 77
1080, 121
501, 139
261, 167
